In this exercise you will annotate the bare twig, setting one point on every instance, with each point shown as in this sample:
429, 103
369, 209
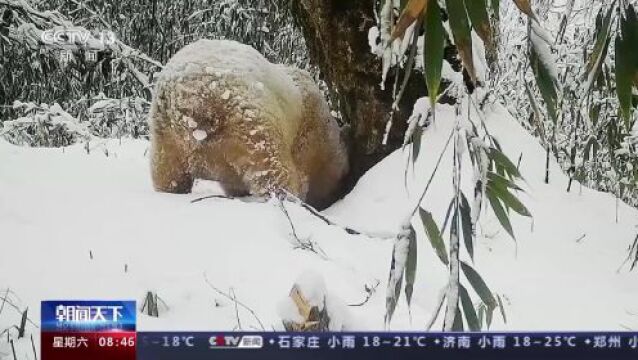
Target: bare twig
212, 197
294, 199
232, 291
281, 206
229, 297
4, 300
427, 186
304, 244
369, 292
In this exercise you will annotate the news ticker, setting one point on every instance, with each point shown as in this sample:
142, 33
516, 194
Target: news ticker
245, 346
106, 330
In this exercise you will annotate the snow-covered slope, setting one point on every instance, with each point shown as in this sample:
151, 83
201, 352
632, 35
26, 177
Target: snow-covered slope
89, 226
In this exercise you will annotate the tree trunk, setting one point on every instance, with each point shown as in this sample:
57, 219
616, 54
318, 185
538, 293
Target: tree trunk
336, 33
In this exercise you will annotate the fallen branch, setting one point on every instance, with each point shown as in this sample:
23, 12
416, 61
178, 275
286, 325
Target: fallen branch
295, 200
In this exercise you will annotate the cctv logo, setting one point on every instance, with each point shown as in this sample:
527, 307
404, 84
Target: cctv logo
236, 342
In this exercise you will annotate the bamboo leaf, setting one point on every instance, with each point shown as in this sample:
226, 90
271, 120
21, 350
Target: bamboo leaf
536, 111
602, 42
461, 32
468, 308
630, 31
433, 233
395, 283
479, 285
546, 82
500, 159
412, 11
627, 62
477, 10
410, 266
466, 224
500, 213
489, 315
501, 181
447, 215
623, 77
458, 321
434, 47
508, 199
416, 142
496, 7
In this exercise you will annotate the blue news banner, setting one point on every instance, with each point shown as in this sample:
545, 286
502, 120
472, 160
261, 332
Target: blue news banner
106, 330
371, 346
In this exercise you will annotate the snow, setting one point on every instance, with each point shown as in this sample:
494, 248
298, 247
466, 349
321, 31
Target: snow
313, 287
478, 55
191, 123
287, 311
373, 40
58, 206
386, 49
200, 135
231, 65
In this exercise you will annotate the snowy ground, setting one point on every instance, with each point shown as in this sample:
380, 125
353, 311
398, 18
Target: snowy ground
58, 206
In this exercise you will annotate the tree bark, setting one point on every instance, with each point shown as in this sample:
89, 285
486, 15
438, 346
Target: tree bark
336, 33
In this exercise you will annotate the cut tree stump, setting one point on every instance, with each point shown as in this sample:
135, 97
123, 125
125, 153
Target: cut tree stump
314, 319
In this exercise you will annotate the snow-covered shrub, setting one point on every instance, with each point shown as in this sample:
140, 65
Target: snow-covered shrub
116, 118
43, 126
587, 136
147, 34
